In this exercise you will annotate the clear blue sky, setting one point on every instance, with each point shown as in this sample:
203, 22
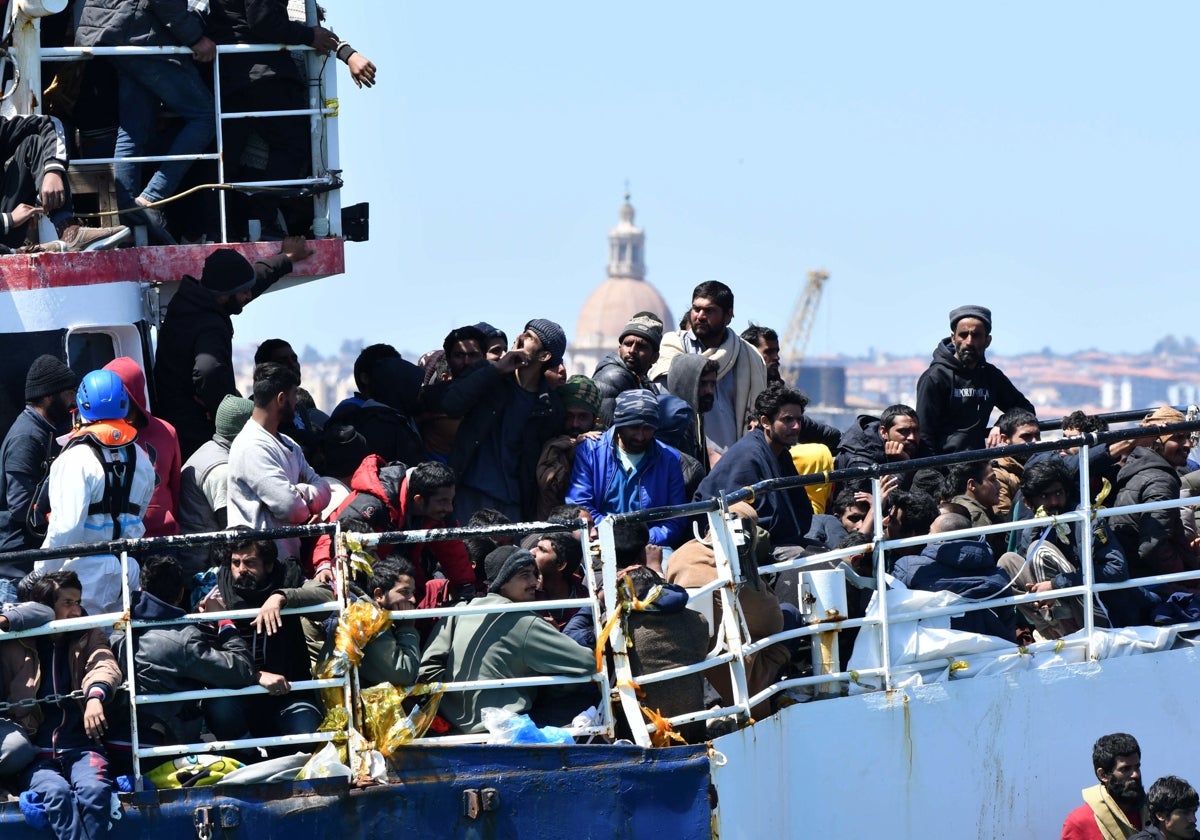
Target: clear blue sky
1037, 158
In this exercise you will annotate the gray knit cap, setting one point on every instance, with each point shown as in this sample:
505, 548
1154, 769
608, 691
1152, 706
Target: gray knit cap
647, 325
981, 312
552, 337
503, 564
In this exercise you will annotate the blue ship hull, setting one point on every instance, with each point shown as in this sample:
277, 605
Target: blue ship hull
600, 791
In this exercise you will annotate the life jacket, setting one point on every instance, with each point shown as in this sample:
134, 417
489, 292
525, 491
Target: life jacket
118, 475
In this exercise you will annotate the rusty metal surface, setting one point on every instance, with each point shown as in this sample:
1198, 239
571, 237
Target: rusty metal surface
526, 792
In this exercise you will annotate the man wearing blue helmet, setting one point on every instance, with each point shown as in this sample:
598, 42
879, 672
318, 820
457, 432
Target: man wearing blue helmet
98, 490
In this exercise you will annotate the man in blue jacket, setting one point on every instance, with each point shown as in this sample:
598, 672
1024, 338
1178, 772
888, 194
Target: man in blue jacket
626, 469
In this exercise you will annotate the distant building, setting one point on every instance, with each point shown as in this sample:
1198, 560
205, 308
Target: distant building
625, 293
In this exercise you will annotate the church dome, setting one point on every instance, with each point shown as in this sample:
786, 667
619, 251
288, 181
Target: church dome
624, 294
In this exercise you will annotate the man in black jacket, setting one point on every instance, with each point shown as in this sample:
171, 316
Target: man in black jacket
626, 369
956, 395
193, 369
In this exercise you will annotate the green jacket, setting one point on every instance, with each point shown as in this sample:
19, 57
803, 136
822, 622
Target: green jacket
497, 646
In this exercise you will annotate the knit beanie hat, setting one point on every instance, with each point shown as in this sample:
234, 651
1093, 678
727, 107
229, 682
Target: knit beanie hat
48, 375
226, 272
981, 312
552, 337
503, 564
344, 449
635, 408
232, 414
580, 392
647, 325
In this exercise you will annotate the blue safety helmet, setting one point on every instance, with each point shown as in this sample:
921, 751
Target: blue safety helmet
102, 396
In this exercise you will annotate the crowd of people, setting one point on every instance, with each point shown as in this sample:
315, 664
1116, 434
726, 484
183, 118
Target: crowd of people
114, 107
484, 431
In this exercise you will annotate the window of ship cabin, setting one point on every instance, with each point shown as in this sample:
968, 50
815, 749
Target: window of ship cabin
90, 350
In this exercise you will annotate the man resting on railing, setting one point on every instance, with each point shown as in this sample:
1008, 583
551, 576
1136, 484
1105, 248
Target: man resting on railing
503, 646
70, 775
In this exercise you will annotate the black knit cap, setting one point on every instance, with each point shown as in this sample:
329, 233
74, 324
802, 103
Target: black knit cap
503, 563
48, 375
226, 272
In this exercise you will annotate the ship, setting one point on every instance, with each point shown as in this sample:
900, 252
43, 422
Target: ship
927, 734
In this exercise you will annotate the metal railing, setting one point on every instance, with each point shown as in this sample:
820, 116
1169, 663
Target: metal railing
321, 74
734, 642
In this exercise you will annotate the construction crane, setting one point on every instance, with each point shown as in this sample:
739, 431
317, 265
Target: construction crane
795, 340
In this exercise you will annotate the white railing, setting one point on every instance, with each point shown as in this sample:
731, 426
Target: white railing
733, 641
322, 107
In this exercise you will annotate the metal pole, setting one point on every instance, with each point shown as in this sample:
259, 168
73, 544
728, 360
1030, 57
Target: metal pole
881, 583
1086, 544
130, 670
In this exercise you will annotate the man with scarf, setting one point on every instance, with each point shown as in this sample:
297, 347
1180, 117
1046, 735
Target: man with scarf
741, 372
248, 576
1114, 809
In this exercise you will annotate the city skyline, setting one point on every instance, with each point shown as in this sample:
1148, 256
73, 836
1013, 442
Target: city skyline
1031, 158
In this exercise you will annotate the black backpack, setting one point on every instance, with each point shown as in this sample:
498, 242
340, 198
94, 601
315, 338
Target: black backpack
118, 482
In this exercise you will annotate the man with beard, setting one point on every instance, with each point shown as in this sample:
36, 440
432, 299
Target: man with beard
626, 469
693, 379
581, 405
765, 453
895, 435
626, 369
247, 578
1115, 808
270, 482
766, 341
956, 395
1016, 426
49, 400
741, 372
193, 368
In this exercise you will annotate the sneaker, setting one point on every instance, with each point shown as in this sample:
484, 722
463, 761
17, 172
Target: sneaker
80, 238
155, 221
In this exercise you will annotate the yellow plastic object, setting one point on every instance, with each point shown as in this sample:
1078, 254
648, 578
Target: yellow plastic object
387, 725
192, 771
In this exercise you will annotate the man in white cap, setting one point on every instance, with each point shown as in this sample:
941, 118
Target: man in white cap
956, 395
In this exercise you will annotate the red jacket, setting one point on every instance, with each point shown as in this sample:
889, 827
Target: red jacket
378, 497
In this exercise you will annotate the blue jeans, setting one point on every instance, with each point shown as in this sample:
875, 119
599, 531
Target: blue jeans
144, 82
76, 791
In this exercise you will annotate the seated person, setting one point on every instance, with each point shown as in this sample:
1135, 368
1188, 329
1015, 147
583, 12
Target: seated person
847, 511
394, 655
559, 557
1048, 558
177, 657
966, 567
249, 573
694, 565
502, 646
70, 773
976, 488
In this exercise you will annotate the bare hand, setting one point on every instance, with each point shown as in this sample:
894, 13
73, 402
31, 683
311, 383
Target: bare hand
54, 192
894, 450
596, 434
269, 620
512, 361
294, 248
323, 40
204, 50
362, 70
993, 438
654, 555
273, 683
887, 485
324, 576
94, 722
22, 213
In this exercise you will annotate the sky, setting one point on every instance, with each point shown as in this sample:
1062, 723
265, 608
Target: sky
1035, 158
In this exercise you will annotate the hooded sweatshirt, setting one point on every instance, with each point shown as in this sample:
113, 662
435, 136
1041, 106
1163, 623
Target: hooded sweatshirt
954, 403
161, 443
